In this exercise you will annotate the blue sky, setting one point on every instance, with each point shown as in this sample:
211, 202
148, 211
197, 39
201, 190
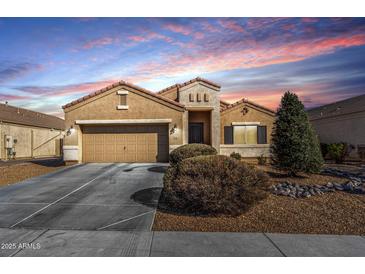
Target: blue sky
47, 62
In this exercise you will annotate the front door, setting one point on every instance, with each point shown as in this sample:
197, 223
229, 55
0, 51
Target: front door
196, 133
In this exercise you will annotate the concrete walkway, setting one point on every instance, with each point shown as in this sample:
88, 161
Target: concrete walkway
29, 242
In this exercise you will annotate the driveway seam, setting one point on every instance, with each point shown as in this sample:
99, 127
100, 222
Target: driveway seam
60, 199
152, 237
37, 237
274, 244
124, 220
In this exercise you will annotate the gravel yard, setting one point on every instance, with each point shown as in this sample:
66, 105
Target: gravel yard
16, 172
331, 213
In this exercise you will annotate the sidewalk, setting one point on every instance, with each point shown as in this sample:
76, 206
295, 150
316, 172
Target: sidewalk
122, 243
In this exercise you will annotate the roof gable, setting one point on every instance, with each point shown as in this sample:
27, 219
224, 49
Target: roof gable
197, 79
245, 101
123, 84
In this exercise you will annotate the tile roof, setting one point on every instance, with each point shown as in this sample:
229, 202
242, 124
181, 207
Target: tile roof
351, 105
122, 83
16, 115
246, 101
197, 79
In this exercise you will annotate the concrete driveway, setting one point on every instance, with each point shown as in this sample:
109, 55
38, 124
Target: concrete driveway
85, 197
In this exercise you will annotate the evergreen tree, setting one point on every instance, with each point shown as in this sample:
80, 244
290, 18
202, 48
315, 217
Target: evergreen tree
295, 146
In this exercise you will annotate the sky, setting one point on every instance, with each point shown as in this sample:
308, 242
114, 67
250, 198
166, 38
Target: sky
48, 62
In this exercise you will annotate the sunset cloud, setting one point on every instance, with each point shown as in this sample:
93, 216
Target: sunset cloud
10, 72
231, 25
319, 58
178, 28
104, 41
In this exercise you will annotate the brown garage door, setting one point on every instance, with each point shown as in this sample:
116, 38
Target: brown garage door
141, 144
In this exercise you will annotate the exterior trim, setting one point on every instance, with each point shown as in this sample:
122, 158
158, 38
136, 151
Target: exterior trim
244, 123
122, 92
123, 122
120, 107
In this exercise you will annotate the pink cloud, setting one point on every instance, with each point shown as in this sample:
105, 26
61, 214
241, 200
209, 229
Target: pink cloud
150, 36
198, 35
104, 41
208, 27
231, 25
10, 97
178, 28
79, 88
211, 59
310, 20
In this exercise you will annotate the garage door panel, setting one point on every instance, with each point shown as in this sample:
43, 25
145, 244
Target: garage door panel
125, 144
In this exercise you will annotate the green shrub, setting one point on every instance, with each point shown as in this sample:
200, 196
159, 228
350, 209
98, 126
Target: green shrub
213, 185
261, 160
236, 155
190, 150
295, 147
337, 152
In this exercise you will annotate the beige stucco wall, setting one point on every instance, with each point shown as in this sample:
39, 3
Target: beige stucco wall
213, 105
44, 143
247, 151
171, 94
348, 128
253, 115
104, 107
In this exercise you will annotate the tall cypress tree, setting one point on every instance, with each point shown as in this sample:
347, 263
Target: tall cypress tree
295, 147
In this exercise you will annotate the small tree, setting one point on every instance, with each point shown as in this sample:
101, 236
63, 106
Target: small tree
295, 146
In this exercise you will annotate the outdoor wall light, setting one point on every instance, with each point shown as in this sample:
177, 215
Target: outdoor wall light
173, 129
70, 131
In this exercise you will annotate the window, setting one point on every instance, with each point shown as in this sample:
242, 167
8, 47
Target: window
122, 99
245, 134
206, 97
191, 97
198, 97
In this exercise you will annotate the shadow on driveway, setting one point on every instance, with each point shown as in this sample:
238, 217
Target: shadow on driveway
148, 197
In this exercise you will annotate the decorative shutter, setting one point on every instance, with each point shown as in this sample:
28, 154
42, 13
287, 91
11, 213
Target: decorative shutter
228, 135
261, 135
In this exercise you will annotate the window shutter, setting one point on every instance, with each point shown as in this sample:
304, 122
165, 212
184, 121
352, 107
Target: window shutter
261, 135
228, 135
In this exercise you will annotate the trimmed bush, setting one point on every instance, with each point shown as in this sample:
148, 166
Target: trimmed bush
337, 152
213, 185
261, 160
236, 156
190, 150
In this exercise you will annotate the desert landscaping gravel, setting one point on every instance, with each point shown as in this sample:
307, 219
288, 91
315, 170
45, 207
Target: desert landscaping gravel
10, 174
336, 212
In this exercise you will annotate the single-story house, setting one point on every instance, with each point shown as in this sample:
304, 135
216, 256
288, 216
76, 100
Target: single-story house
342, 121
126, 123
29, 134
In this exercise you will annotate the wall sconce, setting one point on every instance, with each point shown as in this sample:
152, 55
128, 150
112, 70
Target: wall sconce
173, 129
70, 131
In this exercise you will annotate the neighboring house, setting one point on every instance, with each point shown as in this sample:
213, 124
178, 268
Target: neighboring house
29, 134
342, 121
126, 123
